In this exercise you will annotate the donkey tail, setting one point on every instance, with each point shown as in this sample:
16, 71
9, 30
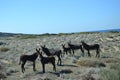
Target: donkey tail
100, 49
61, 53
20, 60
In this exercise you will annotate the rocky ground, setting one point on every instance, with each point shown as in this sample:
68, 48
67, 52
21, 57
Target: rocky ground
74, 67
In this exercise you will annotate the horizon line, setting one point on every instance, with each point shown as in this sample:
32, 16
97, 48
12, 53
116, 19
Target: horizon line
101, 30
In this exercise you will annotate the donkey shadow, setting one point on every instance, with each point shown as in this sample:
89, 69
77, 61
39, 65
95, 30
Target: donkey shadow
68, 65
63, 71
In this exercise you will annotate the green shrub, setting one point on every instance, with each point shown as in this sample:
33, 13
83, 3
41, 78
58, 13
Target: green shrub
112, 73
87, 32
113, 31
4, 49
45, 34
26, 36
60, 34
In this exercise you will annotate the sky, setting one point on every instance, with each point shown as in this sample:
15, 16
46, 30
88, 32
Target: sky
58, 16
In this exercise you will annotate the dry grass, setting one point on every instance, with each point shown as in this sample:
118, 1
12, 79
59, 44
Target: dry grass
112, 73
90, 63
2, 76
109, 74
4, 49
109, 60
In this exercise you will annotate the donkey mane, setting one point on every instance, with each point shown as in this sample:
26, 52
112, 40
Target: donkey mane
57, 53
76, 47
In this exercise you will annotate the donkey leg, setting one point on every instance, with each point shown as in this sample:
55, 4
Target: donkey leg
66, 52
22, 66
59, 59
89, 53
43, 66
34, 69
54, 67
82, 51
97, 53
70, 53
19, 62
73, 51
22, 69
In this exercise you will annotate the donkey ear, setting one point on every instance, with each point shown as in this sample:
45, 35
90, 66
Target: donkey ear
41, 52
69, 42
44, 46
39, 49
82, 41
63, 44
41, 46
36, 49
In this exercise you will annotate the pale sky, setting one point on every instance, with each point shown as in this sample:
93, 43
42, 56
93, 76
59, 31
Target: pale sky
58, 16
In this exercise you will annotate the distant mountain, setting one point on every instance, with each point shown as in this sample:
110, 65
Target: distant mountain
108, 30
3, 34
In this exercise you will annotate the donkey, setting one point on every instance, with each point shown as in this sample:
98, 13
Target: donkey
91, 47
76, 47
46, 60
25, 58
57, 53
66, 49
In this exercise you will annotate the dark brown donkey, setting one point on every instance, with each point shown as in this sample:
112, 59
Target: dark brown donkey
91, 47
46, 60
76, 47
25, 58
57, 53
66, 49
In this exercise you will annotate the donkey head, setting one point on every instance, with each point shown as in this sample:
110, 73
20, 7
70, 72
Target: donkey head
38, 51
63, 45
82, 41
43, 46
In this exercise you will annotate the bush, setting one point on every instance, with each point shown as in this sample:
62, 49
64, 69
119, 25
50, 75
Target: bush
114, 31
113, 73
90, 63
26, 36
107, 74
4, 49
60, 34
11, 70
110, 60
45, 34
87, 32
